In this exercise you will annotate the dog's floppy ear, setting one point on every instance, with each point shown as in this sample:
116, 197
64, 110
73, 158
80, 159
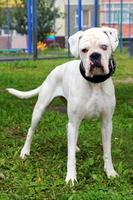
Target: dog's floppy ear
112, 34
74, 43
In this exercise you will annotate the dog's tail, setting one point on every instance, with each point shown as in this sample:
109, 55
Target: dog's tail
23, 95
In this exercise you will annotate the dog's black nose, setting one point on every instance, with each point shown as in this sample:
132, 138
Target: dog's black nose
95, 56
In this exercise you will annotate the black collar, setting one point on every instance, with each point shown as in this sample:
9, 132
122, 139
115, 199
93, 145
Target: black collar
99, 78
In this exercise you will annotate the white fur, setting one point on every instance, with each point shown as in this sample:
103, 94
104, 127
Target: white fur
85, 99
23, 95
74, 43
113, 36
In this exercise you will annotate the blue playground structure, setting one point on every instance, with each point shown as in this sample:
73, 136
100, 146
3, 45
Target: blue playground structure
32, 24
32, 27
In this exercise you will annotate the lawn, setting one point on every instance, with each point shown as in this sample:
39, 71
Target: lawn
41, 176
47, 53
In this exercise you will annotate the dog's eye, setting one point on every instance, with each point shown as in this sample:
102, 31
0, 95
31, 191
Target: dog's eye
104, 47
84, 50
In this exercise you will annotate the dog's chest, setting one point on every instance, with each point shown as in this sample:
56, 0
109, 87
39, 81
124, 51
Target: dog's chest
95, 104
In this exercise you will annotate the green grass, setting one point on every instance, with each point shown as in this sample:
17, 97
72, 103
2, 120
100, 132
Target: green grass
47, 53
41, 176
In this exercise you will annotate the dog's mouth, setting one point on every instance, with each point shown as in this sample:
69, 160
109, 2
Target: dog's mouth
96, 68
98, 77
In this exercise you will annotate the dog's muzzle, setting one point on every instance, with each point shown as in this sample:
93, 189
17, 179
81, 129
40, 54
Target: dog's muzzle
95, 60
99, 78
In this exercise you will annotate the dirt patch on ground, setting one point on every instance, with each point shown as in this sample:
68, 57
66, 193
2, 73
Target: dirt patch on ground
126, 80
62, 109
59, 108
130, 102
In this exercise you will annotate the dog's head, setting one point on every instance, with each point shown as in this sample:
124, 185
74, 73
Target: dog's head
94, 46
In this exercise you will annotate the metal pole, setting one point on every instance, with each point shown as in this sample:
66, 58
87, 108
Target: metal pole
121, 23
95, 13
7, 25
8, 28
79, 15
109, 13
34, 28
29, 26
68, 25
54, 23
130, 53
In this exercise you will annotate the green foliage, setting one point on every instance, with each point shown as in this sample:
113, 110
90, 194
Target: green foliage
19, 17
46, 14
16, 17
41, 176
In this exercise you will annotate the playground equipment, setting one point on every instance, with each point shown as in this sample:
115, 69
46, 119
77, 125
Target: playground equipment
32, 23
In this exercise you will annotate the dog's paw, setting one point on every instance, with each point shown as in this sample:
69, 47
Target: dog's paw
77, 149
111, 173
24, 153
71, 178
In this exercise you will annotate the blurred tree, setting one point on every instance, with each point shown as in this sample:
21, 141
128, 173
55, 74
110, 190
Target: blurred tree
19, 16
13, 15
46, 12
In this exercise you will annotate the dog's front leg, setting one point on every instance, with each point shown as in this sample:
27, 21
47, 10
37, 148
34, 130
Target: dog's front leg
71, 162
106, 138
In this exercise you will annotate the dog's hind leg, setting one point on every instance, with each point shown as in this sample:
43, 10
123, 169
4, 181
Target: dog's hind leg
48, 91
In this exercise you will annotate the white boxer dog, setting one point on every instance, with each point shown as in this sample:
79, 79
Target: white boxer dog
87, 86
